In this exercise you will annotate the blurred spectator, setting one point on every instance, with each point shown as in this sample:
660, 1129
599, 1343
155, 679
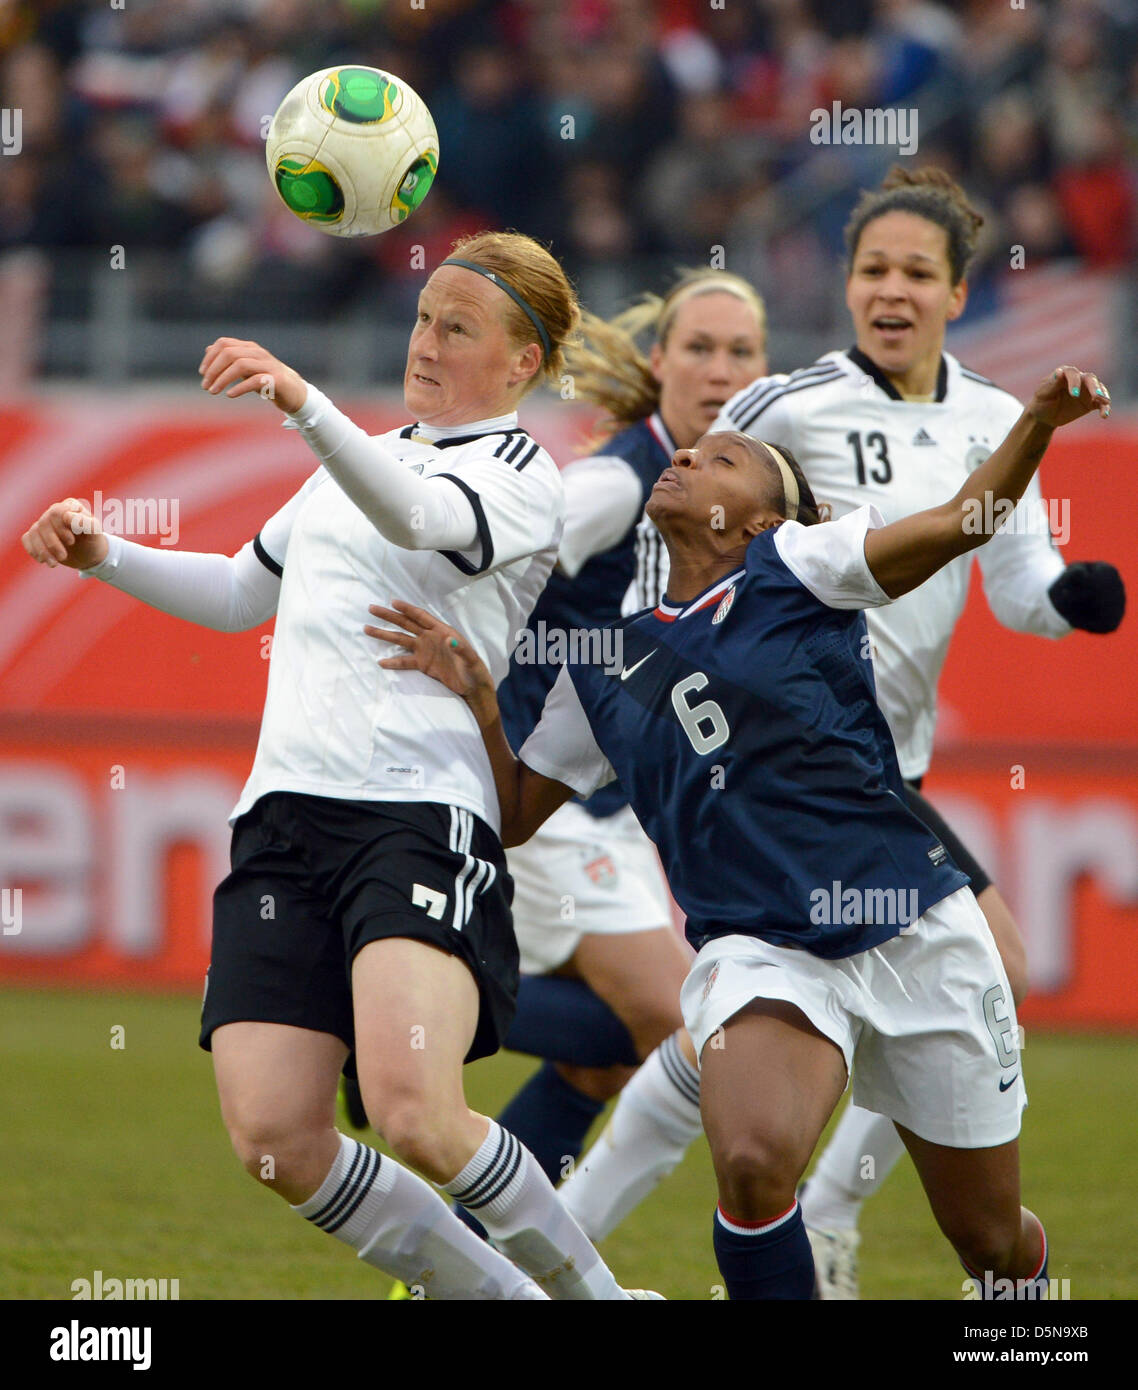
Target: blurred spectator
1097, 194
1033, 218
1010, 147
487, 121
624, 132
692, 187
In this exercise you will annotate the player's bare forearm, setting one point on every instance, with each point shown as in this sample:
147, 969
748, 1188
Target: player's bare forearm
905, 554
525, 798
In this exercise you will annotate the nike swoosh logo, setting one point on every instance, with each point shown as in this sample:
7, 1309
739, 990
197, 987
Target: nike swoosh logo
628, 670
1005, 1084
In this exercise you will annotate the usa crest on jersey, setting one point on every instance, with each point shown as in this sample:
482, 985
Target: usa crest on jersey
724, 606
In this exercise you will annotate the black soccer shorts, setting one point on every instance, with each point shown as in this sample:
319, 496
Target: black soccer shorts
314, 879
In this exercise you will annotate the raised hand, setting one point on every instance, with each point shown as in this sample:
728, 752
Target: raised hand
243, 367
66, 534
432, 647
1068, 394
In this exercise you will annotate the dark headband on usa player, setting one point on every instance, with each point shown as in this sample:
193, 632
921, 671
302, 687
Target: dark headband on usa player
542, 333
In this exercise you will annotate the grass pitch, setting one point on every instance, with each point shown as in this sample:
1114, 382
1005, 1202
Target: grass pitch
115, 1159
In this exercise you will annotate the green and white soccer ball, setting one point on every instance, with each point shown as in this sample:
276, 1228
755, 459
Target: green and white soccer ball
352, 150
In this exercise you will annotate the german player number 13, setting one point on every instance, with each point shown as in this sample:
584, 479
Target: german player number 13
883, 472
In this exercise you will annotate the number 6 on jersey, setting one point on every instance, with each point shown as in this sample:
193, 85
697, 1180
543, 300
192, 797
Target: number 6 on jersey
692, 716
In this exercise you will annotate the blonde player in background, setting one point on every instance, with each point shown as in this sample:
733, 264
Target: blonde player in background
898, 422
369, 822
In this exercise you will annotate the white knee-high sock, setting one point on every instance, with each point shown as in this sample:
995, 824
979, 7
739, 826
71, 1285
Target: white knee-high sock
394, 1221
504, 1187
654, 1122
859, 1157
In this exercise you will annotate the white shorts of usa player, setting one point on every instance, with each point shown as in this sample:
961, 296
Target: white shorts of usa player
581, 875
925, 1021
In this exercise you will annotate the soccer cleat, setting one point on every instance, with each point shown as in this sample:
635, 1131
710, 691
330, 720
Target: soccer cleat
835, 1264
646, 1295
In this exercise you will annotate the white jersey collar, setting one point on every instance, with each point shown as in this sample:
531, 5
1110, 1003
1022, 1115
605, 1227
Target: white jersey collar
433, 434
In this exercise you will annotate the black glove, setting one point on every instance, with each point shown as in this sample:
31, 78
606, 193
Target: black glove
1090, 596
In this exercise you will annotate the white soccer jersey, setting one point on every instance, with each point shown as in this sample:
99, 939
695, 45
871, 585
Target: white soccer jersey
336, 723
858, 442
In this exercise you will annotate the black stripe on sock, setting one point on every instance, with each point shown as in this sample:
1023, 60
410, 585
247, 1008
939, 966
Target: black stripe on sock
326, 1210
514, 1162
369, 1175
331, 1218
476, 1187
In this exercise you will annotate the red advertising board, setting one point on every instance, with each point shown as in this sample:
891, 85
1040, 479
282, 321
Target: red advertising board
125, 735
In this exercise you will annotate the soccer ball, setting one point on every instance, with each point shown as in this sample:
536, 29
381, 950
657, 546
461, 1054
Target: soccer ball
352, 150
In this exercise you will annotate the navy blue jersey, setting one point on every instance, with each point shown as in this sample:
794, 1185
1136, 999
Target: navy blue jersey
745, 728
589, 600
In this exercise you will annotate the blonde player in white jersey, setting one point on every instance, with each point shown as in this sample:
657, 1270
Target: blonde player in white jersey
366, 916
899, 423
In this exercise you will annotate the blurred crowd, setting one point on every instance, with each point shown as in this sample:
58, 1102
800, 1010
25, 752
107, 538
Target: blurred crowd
143, 126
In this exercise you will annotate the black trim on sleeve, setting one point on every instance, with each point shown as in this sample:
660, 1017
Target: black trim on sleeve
748, 410
460, 561
265, 558
970, 375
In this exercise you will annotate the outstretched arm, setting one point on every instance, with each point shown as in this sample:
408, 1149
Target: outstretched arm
908, 552
227, 593
526, 799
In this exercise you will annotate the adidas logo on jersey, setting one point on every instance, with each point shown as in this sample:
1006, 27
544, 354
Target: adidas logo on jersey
922, 436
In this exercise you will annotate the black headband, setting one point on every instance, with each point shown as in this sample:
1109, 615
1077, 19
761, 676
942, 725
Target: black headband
542, 333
